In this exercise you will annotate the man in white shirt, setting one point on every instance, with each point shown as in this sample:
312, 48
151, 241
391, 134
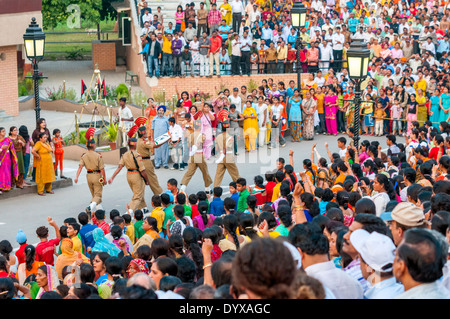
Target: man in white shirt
246, 44
124, 119
338, 45
377, 253
327, 25
176, 140
235, 55
319, 79
147, 17
237, 8
418, 265
313, 247
326, 56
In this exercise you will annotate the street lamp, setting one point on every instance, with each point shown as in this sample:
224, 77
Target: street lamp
358, 67
34, 43
298, 19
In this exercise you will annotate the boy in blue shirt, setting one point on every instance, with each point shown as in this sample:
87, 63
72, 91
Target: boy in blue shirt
216, 207
234, 193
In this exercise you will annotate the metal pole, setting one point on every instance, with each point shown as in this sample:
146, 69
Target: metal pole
357, 101
37, 107
299, 47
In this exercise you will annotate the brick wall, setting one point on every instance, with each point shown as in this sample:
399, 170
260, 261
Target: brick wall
9, 92
104, 54
215, 84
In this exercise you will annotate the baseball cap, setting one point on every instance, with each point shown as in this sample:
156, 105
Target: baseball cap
407, 214
377, 250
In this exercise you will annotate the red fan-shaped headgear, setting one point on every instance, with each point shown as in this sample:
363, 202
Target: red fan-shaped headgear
132, 132
223, 115
89, 133
140, 121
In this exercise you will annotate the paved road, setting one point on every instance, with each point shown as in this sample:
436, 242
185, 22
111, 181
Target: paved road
30, 211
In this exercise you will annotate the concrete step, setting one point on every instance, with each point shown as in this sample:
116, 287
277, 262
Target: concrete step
58, 183
5, 117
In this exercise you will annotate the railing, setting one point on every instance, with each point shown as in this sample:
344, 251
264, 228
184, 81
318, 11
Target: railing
272, 67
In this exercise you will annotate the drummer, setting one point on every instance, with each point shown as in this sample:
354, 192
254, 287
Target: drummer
160, 126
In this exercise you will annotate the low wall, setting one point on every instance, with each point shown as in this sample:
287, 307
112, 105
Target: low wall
71, 106
74, 152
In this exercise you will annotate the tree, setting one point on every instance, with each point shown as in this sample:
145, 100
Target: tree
55, 12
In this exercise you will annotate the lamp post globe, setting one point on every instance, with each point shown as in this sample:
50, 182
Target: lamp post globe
34, 45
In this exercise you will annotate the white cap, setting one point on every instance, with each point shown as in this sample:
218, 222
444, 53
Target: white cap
377, 250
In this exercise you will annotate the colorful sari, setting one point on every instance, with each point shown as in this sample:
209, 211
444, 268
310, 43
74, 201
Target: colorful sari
9, 167
68, 256
53, 281
251, 128
45, 174
309, 107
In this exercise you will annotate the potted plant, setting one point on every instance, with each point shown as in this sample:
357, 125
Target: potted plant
111, 135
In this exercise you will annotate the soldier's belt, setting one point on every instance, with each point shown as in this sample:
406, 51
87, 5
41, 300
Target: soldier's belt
146, 157
93, 171
133, 170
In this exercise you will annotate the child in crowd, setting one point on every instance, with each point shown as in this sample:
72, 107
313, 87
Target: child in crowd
216, 205
58, 143
193, 202
379, 114
234, 193
397, 112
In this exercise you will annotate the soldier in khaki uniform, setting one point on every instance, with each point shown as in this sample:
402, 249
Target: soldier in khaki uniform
95, 176
136, 176
144, 148
196, 160
226, 161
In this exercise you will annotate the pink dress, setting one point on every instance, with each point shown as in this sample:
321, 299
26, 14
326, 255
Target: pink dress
8, 164
330, 113
208, 131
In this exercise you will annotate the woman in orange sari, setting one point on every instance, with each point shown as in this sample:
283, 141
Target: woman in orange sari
45, 174
68, 257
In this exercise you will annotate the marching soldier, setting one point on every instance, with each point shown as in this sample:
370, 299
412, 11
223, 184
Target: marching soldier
95, 176
226, 161
136, 175
196, 160
144, 148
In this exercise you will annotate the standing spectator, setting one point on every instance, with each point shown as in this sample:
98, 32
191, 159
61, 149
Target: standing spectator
177, 45
179, 18
246, 44
190, 15
204, 44
238, 11
226, 11
235, 55
167, 61
214, 18
282, 52
202, 19
160, 126
153, 51
214, 53
189, 32
338, 45
194, 47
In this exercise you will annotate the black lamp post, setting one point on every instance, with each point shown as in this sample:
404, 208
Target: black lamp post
358, 67
298, 18
34, 43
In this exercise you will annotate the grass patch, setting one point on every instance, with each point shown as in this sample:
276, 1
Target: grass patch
72, 41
